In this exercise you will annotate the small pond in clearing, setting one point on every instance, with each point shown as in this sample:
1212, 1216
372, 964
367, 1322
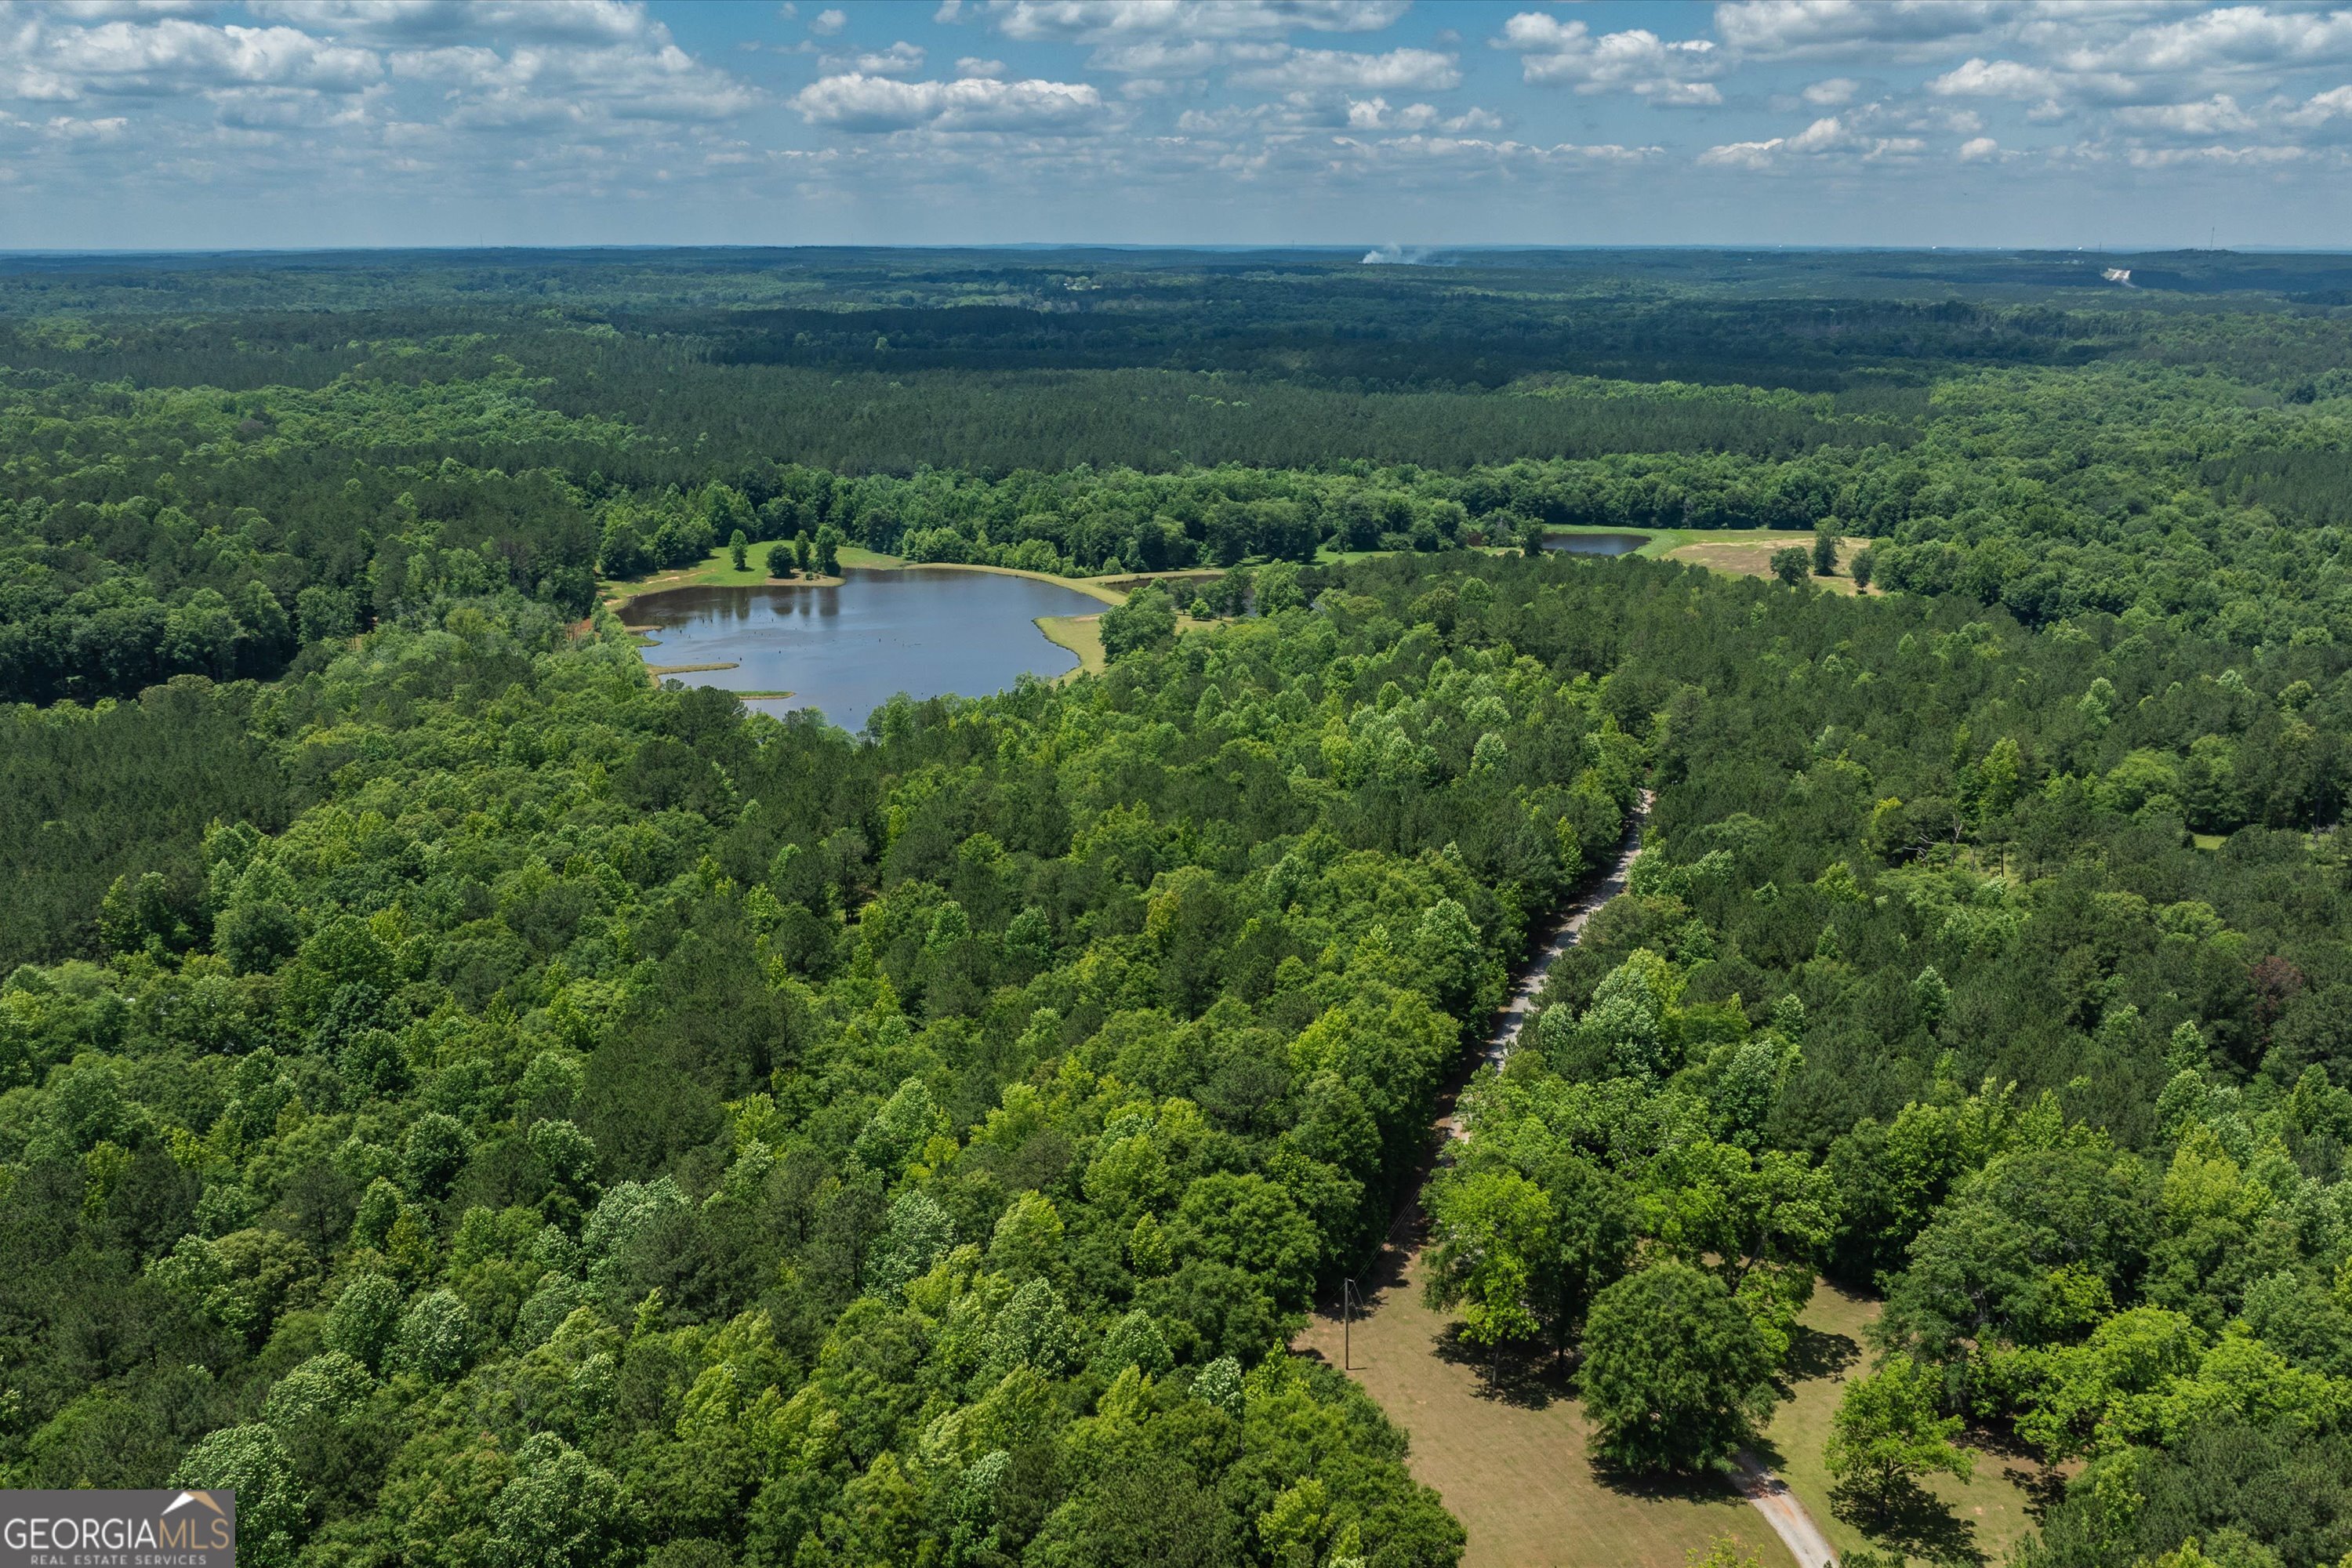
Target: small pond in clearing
845, 650
1595, 544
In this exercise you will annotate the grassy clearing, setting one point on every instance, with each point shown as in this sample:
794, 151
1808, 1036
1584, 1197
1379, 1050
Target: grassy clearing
658, 671
1744, 552
1082, 635
1735, 552
716, 570
1510, 1458
1747, 552
1976, 1521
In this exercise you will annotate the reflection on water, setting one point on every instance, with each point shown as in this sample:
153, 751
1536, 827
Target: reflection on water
845, 650
1595, 544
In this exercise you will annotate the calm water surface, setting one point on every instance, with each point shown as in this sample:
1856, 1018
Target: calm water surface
1596, 544
846, 650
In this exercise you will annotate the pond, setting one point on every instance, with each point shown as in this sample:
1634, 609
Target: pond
1595, 544
845, 650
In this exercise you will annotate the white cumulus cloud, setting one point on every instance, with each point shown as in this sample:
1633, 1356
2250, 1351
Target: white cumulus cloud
2225, 37
1182, 57
1106, 21
1636, 60
1379, 114
859, 103
1876, 29
1979, 77
1421, 71
1742, 155
901, 59
2215, 116
2323, 107
416, 22
175, 55
1833, 135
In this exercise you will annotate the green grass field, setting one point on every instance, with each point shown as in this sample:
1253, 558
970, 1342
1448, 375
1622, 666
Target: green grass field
716, 570
1747, 552
1976, 1522
1744, 552
1511, 1460
1082, 635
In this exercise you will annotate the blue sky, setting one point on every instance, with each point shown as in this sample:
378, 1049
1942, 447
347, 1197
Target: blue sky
1992, 122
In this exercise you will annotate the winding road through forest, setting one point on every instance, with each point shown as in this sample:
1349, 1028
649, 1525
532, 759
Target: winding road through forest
1789, 1517
1780, 1507
1530, 982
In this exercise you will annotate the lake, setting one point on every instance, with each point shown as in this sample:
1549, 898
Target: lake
1595, 544
845, 650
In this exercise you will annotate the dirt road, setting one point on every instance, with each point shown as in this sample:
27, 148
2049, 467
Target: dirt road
1509, 1458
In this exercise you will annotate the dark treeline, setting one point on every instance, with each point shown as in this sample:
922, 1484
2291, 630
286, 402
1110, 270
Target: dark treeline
87, 795
208, 493
751, 277
178, 530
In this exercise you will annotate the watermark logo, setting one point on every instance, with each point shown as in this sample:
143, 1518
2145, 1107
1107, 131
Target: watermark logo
117, 1529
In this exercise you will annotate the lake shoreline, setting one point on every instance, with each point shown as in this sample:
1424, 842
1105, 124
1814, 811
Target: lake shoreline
847, 650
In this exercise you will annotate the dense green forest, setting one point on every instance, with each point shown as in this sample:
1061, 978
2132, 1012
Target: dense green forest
488, 1107
184, 491
1920, 983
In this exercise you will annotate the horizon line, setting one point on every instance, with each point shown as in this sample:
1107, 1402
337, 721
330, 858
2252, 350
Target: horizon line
1332, 247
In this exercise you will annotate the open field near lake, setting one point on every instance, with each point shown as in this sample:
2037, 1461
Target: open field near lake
1739, 552
1734, 551
1748, 553
717, 570
1082, 635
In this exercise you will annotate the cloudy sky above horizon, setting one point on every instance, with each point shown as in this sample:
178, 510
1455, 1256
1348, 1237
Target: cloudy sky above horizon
267, 123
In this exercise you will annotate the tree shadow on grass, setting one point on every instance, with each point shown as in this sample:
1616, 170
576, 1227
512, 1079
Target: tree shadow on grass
1529, 1376
1814, 1353
1704, 1487
1910, 1520
2044, 1487
2043, 1484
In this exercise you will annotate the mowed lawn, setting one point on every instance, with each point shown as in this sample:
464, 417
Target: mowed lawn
1979, 1521
1082, 635
1748, 553
1512, 1464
